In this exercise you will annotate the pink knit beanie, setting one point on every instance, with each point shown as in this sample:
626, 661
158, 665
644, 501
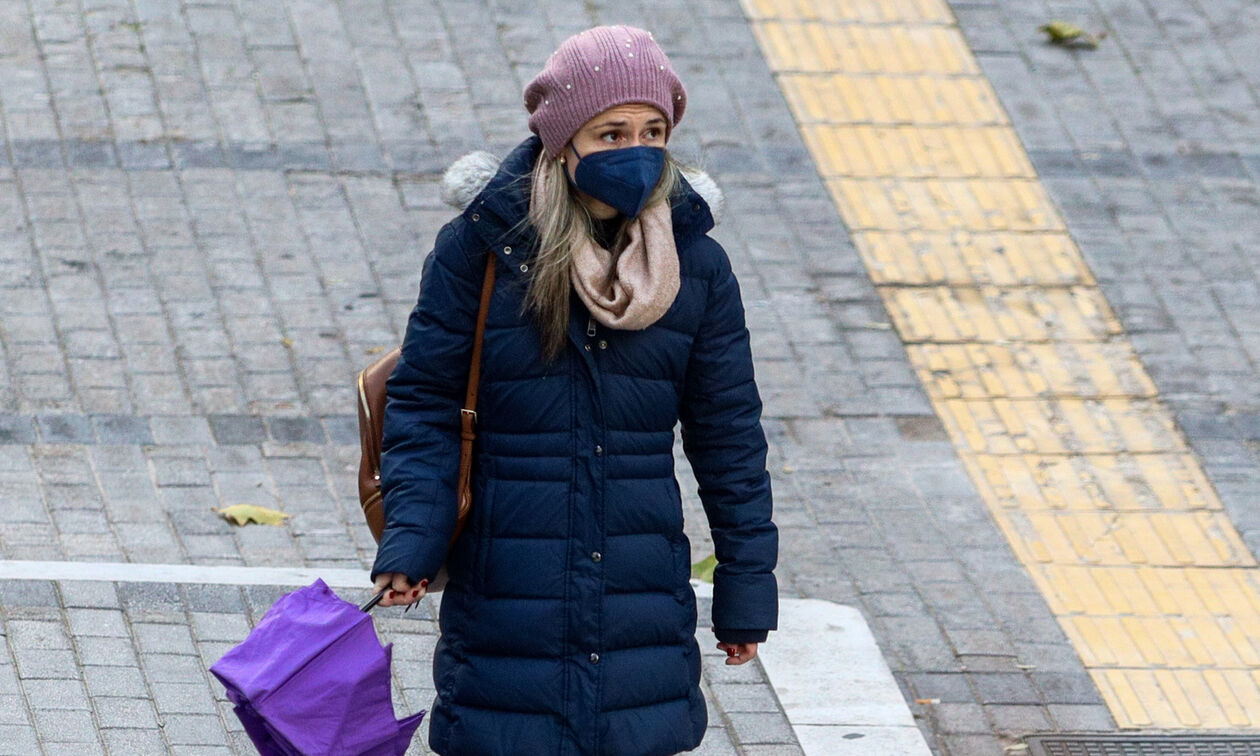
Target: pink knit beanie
595, 70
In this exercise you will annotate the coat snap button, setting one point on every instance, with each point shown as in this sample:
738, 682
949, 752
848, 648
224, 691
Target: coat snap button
524, 267
594, 658
587, 347
476, 217
603, 344
507, 250
598, 450
596, 556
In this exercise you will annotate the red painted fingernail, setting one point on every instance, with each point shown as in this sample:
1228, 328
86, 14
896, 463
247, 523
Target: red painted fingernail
415, 592
423, 583
393, 594
730, 652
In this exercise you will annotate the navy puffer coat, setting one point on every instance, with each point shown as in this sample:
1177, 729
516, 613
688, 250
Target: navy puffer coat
568, 625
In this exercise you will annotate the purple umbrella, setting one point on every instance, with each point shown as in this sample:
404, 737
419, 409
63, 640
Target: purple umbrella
312, 678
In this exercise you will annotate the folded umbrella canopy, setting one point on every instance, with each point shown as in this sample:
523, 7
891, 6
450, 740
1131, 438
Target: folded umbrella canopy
313, 679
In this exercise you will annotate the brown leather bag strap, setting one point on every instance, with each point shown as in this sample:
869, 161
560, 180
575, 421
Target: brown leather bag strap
468, 415
474, 370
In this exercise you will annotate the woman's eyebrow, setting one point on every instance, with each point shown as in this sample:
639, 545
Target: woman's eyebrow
625, 123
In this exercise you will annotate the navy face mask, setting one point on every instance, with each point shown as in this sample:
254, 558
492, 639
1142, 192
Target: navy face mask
622, 178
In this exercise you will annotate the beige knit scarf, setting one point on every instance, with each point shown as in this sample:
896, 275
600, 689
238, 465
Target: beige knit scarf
644, 280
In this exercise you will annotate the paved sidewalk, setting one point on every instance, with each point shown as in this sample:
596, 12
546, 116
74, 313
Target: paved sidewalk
1150, 145
213, 216
214, 213
122, 668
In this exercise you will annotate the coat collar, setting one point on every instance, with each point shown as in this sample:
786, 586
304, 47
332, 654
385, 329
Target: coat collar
494, 198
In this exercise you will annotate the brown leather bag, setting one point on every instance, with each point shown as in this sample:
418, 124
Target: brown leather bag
372, 429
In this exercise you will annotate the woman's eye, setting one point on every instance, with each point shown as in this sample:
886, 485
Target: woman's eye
653, 133
610, 136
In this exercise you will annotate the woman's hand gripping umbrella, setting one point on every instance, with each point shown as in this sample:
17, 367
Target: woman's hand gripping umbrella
312, 679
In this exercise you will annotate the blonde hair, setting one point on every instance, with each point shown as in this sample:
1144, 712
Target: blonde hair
559, 220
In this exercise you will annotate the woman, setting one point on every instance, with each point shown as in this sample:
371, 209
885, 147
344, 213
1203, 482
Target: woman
568, 624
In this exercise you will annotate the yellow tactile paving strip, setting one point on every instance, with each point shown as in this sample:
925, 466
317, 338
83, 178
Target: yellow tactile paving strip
1051, 411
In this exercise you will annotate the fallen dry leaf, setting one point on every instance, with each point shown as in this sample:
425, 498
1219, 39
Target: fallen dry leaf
243, 514
1069, 35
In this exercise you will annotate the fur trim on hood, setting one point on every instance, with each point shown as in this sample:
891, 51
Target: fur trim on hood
468, 175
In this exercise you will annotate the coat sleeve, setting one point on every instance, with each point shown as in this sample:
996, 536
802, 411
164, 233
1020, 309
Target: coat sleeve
726, 445
424, 395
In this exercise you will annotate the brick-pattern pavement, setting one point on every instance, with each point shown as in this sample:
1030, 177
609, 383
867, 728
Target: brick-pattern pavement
1035, 380
1150, 145
194, 263
97, 668
213, 216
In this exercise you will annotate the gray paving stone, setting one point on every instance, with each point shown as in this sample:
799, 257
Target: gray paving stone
13, 710
71, 749
773, 750
122, 429
944, 687
1018, 719
35, 664
959, 718
237, 429
102, 622
65, 726
343, 430
115, 681
182, 698
1004, 688
89, 595
988, 663
224, 627
140, 742
125, 713
735, 698
37, 635
970, 642
16, 429
755, 727
194, 729
65, 429
163, 639
149, 597
1059, 688
973, 745
1082, 718
18, 740
171, 668
203, 750
296, 429
55, 694
176, 430
8, 678
105, 651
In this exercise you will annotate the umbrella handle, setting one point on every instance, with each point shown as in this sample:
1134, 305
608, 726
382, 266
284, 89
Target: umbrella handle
374, 600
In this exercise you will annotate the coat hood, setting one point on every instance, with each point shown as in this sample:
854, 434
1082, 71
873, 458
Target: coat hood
467, 176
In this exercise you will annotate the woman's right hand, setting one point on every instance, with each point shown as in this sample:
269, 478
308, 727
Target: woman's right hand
401, 592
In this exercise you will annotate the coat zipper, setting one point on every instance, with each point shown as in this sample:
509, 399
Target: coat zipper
590, 327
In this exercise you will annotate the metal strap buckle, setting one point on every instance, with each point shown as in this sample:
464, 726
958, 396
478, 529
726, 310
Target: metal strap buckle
473, 413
